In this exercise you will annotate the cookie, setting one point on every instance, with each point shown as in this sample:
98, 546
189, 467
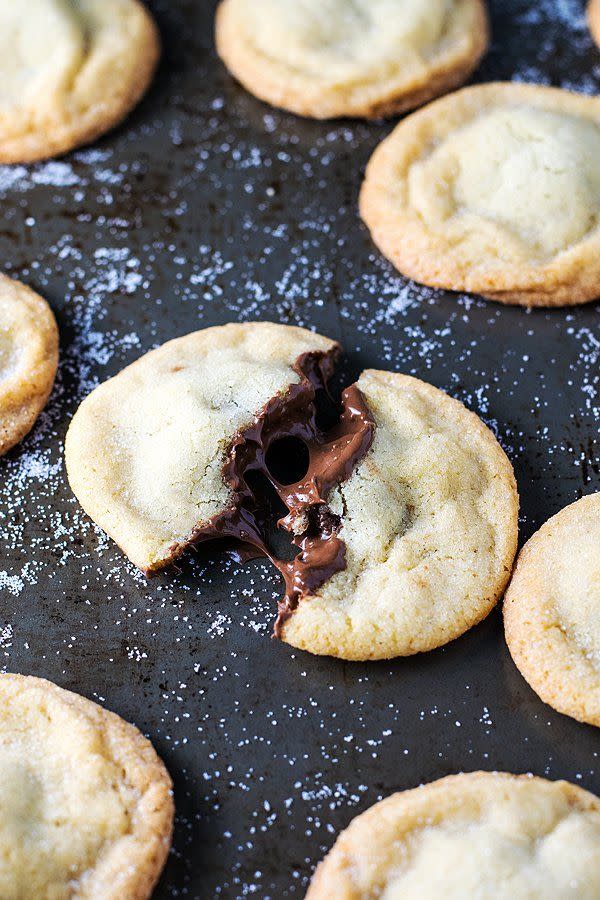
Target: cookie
403, 512
28, 359
594, 19
365, 58
494, 190
71, 71
482, 834
552, 611
86, 803
429, 524
145, 452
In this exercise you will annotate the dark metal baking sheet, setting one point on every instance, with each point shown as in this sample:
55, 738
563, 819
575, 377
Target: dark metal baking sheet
206, 207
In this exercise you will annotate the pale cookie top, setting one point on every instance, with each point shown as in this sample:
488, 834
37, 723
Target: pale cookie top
327, 58
496, 190
482, 835
69, 71
86, 803
552, 611
145, 450
594, 17
28, 359
429, 520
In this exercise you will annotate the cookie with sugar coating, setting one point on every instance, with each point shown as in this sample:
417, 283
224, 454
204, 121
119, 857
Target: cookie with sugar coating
70, 72
404, 512
481, 834
87, 809
552, 611
594, 19
145, 451
495, 190
365, 58
28, 359
429, 522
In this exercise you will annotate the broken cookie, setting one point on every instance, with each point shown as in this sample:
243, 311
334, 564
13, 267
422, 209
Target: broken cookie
402, 509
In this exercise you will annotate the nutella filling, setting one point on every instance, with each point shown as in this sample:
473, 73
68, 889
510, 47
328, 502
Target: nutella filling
286, 441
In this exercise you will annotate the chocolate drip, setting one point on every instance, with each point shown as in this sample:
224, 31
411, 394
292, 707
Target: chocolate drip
331, 458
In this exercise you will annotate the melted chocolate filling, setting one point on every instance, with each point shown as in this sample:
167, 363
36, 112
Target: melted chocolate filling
326, 457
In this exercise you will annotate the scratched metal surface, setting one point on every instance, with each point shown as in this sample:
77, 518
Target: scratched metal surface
206, 207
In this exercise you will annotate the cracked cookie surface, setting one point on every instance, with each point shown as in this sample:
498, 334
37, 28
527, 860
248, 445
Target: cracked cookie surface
552, 611
28, 359
482, 834
494, 190
70, 71
86, 802
364, 58
429, 523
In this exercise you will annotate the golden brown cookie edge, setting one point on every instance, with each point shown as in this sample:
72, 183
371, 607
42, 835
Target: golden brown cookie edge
594, 19
333, 875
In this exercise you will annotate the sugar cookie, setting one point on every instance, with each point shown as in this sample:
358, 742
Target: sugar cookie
404, 512
365, 58
496, 190
86, 802
28, 359
70, 71
429, 524
482, 834
145, 451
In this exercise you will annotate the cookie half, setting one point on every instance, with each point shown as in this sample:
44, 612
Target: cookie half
481, 834
495, 190
146, 451
402, 515
86, 803
367, 58
429, 521
70, 72
552, 611
594, 19
28, 359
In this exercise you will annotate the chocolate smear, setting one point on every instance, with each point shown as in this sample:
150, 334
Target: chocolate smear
286, 439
